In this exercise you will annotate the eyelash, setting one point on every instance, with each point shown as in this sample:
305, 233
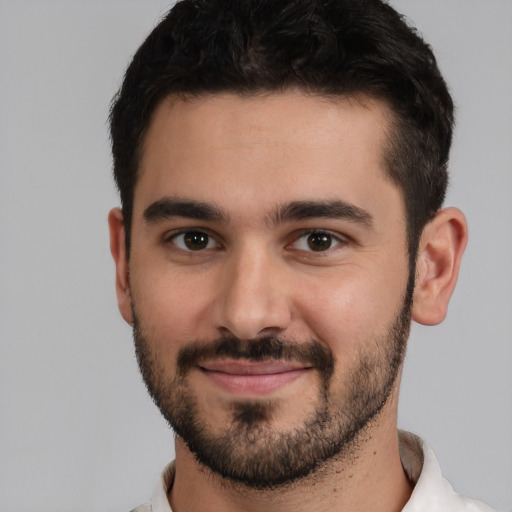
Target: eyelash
171, 238
334, 240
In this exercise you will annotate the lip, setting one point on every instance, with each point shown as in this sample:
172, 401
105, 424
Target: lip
240, 377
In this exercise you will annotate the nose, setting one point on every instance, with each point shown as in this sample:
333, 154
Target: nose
253, 300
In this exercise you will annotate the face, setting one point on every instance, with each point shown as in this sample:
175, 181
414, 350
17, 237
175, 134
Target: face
268, 278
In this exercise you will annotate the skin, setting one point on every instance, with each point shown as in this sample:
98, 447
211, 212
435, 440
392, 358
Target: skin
258, 276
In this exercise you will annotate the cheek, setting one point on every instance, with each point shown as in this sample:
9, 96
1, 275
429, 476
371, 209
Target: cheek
352, 307
171, 306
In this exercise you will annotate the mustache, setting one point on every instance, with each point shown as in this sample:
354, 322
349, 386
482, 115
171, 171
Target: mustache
311, 353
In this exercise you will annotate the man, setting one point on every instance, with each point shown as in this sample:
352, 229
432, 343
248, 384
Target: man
282, 166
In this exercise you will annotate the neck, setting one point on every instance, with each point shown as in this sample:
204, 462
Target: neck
370, 477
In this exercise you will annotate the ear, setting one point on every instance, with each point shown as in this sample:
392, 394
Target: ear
439, 255
118, 250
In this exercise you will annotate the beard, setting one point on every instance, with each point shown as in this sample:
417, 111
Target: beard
249, 450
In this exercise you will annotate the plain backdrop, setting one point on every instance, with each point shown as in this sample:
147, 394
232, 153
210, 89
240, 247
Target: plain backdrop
77, 430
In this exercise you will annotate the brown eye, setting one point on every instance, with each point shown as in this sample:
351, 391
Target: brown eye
319, 241
193, 241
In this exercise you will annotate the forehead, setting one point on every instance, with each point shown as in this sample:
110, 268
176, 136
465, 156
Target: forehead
281, 147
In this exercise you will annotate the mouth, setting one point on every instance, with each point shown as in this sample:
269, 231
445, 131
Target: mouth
249, 378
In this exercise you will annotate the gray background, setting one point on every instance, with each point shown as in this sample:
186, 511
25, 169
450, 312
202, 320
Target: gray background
77, 431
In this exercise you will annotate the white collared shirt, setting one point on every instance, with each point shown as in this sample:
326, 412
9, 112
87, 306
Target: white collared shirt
432, 493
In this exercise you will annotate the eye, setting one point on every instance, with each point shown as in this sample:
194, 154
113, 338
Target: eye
317, 241
193, 240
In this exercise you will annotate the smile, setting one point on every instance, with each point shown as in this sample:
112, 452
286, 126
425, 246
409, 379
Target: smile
252, 378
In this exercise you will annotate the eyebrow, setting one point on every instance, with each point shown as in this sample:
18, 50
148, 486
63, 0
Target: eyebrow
169, 207
335, 209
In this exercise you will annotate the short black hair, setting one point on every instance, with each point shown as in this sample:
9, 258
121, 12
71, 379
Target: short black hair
335, 48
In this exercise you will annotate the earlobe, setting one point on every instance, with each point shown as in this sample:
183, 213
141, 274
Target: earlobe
118, 250
440, 252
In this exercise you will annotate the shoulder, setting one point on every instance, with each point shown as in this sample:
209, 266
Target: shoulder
473, 505
159, 501
431, 491
142, 508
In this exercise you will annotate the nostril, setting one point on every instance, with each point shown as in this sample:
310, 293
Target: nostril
250, 323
